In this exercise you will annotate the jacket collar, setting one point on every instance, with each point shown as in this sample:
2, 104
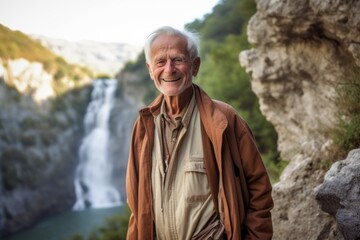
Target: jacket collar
153, 108
212, 116
213, 119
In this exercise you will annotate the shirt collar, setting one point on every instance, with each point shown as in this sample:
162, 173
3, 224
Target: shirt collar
185, 114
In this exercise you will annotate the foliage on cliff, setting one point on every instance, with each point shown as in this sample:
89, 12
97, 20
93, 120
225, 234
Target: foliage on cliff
15, 44
138, 66
347, 136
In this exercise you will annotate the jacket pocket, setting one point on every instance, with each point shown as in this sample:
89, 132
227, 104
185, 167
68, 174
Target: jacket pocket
196, 183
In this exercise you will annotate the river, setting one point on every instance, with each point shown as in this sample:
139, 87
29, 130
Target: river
67, 224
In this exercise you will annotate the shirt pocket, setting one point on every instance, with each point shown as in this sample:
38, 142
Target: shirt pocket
196, 182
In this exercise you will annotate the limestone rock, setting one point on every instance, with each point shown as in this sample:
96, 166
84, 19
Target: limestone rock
303, 51
30, 78
39, 137
339, 195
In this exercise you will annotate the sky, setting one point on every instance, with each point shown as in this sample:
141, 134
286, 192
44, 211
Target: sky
125, 21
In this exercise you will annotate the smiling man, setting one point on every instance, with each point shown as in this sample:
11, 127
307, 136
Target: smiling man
194, 171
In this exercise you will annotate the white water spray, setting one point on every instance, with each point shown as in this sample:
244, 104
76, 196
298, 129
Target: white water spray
93, 180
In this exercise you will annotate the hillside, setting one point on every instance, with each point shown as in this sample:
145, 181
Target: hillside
42, 104
100, 58
16, 45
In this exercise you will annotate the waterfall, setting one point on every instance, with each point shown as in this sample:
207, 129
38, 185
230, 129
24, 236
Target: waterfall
93, 179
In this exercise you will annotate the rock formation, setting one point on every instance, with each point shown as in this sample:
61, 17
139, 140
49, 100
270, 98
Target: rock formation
41, 128
303, 51
39, 137
339, 195
40, 133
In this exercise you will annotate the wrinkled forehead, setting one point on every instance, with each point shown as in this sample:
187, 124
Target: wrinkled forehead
169, 44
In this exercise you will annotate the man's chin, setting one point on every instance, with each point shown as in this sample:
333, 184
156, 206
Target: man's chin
170, 92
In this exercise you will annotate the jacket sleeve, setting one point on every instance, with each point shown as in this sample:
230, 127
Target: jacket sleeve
132, 231
132, 188
258, 223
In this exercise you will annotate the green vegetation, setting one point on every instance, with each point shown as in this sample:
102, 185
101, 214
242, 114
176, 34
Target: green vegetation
227, 18
102, 76
347, 136
11, 179
115, 228
15, 44
139, 67
19, 169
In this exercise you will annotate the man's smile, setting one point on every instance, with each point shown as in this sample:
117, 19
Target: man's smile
171, 80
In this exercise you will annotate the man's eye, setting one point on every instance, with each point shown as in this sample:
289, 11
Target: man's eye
179, 60
160, 62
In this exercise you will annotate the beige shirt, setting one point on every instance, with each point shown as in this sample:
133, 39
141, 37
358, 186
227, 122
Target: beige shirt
182, 199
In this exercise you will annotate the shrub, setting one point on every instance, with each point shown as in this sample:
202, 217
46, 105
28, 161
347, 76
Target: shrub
102, 76
11, 163
347, 134
115, 228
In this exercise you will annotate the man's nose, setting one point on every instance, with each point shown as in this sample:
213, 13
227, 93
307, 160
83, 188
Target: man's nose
170, 66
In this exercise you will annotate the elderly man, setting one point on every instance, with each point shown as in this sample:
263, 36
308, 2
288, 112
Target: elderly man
194, 171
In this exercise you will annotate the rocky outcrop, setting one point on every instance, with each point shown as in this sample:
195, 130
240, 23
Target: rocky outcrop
30, 78
303, 51
39, 136
339, 195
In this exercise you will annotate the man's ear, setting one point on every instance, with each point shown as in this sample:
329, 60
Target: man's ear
196, 66
150, 72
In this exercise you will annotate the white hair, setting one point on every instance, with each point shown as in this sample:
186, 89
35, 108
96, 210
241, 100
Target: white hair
191, 38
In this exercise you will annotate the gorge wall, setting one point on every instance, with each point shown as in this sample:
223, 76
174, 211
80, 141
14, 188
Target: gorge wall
39, 136
303, 50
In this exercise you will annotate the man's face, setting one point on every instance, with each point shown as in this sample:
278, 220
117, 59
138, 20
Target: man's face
170, 66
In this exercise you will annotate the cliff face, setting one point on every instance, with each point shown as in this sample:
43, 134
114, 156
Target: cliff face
42, 107
303, 51
128, 101
39, 136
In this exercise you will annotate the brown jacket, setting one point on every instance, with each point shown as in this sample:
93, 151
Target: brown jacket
231, 159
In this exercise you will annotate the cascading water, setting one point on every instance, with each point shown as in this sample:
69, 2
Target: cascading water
93, 179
